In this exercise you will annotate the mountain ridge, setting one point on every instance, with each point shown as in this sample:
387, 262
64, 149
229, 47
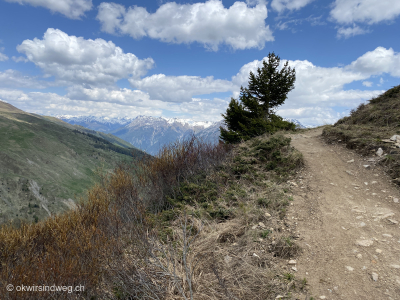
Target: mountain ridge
150, 133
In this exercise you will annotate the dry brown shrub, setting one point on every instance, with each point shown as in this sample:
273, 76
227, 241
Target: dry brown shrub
73, 249
175, 163
66, 250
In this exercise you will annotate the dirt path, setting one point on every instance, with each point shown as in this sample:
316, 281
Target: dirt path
349, 223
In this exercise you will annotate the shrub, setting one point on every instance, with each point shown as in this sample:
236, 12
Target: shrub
174, 164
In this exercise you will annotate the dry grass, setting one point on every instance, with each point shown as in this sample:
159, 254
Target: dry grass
184, 225
368, 125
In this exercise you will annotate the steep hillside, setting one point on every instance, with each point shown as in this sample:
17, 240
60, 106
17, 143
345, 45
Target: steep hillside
43, 166
370, 127
8, 108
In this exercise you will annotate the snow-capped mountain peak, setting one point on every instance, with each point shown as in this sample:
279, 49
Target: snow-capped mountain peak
151, 133
86, 119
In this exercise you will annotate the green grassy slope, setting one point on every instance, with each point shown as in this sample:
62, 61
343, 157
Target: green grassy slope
43, 164
369, 127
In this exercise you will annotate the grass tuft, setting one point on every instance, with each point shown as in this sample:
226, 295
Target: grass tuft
368, 125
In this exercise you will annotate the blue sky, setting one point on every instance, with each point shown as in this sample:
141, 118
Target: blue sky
187, 59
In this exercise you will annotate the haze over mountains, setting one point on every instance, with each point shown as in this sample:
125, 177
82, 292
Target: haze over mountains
151, 133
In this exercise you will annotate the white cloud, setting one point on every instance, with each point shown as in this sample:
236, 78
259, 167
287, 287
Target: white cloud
347, 32
180, 88
312, 115
3, 57
367, 83
117, 96
12, 78
281, 5
203, 109
73, 9
19, 59
96, 105
8, 95
74, 59
200, 109
240, 26
292, 24
111, 103
365, 11
376, 62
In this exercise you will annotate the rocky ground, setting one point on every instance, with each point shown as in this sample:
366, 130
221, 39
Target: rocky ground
347, 212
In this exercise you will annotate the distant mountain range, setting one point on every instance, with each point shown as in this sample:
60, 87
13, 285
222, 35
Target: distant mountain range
151, 133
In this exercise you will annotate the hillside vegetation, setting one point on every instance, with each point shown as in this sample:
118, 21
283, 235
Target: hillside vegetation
44, 167
369, 127
200, 221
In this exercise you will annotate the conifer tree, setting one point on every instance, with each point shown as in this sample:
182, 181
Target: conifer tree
254, 113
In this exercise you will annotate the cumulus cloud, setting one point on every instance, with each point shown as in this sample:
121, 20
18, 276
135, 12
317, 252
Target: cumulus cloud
365, 11
8, 95
200, 109
347, 32
241, 26
203, 109
367, 83
96, 103
281, 5
181, 88
117, 96
12, 78
72, 59
73, 9
376, 62
111, 103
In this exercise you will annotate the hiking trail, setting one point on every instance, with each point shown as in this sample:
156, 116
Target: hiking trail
348, 219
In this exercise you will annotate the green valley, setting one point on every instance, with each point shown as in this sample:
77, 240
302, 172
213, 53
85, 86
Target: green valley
45, 166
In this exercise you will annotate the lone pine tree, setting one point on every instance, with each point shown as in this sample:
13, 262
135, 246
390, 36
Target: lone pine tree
254, 113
